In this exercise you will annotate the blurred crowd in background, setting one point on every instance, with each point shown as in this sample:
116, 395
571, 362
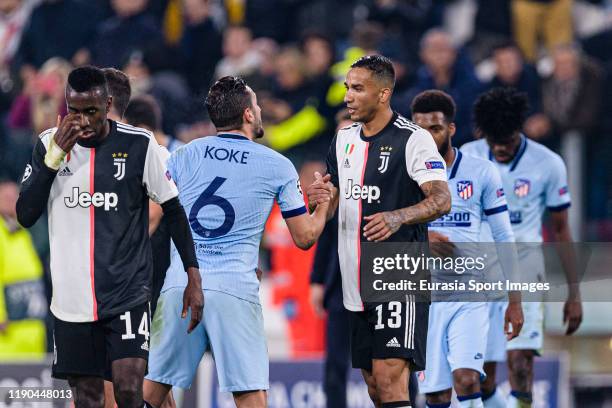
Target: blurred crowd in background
295, 55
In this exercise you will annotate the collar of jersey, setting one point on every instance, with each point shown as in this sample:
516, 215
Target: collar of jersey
518, 156
455, 166
236, 136
381, 132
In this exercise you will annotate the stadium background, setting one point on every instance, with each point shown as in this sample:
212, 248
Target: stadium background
295, 53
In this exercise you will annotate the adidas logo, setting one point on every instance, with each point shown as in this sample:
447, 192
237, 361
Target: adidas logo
65, 172
347, 164
145, 346
393, 343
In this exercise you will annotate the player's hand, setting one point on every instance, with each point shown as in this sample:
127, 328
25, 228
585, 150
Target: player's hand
68, 132
514, 318
317, 292
258, 273
193, 298
381, 225
320, 191
572, 315
441, 245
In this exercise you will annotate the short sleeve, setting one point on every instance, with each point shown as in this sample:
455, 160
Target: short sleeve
493, 196
332, 162
423, 161
156, 177
557, 192
290, 197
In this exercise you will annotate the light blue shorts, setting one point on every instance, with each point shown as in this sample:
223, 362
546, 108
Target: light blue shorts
456, 338
232, 328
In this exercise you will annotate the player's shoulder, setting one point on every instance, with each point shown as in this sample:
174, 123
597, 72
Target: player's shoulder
541, 154
476, 148
126, 129
406, 127
348, 133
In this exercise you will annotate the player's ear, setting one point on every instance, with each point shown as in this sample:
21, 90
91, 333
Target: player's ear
109, 104
385, 95
452, 129
248, 115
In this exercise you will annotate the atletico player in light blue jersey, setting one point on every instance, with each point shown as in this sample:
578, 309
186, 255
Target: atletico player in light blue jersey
227, 184
454, 355
535, 181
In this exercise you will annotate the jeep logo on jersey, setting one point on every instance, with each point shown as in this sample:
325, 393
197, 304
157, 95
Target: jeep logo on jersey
85, 199
385, 152
357, 192
119, 162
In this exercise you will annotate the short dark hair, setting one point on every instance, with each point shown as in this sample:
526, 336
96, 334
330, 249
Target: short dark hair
144, 110
380, 66
119, 87
226, 101
500, 112
87, 78
435, 101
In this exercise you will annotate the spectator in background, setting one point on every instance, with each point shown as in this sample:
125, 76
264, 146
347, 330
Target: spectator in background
59, 28
200, 45
446, 69
318, 51
23, 305
149, 74
548, 19
131, 29
42, 99
14, 15
294, 108
262, 80
571, 97
492, 25
512, 71
239, 59
269, 18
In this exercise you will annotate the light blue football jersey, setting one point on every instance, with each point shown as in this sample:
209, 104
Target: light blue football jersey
476, 190
536, 180
227, 185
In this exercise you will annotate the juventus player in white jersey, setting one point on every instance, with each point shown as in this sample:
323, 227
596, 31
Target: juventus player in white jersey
388, 181
95, 176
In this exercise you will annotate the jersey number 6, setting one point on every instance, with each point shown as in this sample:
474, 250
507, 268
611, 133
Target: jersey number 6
208, 197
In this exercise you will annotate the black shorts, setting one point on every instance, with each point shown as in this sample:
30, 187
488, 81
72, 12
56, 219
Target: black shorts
88, 349
390, 330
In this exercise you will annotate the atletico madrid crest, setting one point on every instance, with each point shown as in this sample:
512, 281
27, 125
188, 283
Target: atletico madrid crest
521, 187
465, 189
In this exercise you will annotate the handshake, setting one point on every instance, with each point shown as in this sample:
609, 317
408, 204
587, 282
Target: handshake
320, 191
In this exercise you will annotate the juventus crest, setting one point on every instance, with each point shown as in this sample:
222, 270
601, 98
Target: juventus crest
119, 160
385, 153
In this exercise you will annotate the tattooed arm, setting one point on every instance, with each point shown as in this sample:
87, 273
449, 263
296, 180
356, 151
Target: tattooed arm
437, 202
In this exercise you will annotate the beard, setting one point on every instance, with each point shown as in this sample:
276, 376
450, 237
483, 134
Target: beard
444, 148
258, 132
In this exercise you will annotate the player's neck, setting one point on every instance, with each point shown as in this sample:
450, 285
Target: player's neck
378, 123
162, 138
449, 156
240, 132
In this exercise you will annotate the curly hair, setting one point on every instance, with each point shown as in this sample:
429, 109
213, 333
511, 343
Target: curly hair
434, 101
500, 112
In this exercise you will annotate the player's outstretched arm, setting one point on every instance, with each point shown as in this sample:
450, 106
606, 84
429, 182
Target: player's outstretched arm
306, 228
572, 310
437, 202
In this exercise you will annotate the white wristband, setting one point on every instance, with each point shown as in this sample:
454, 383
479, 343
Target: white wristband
54, 155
